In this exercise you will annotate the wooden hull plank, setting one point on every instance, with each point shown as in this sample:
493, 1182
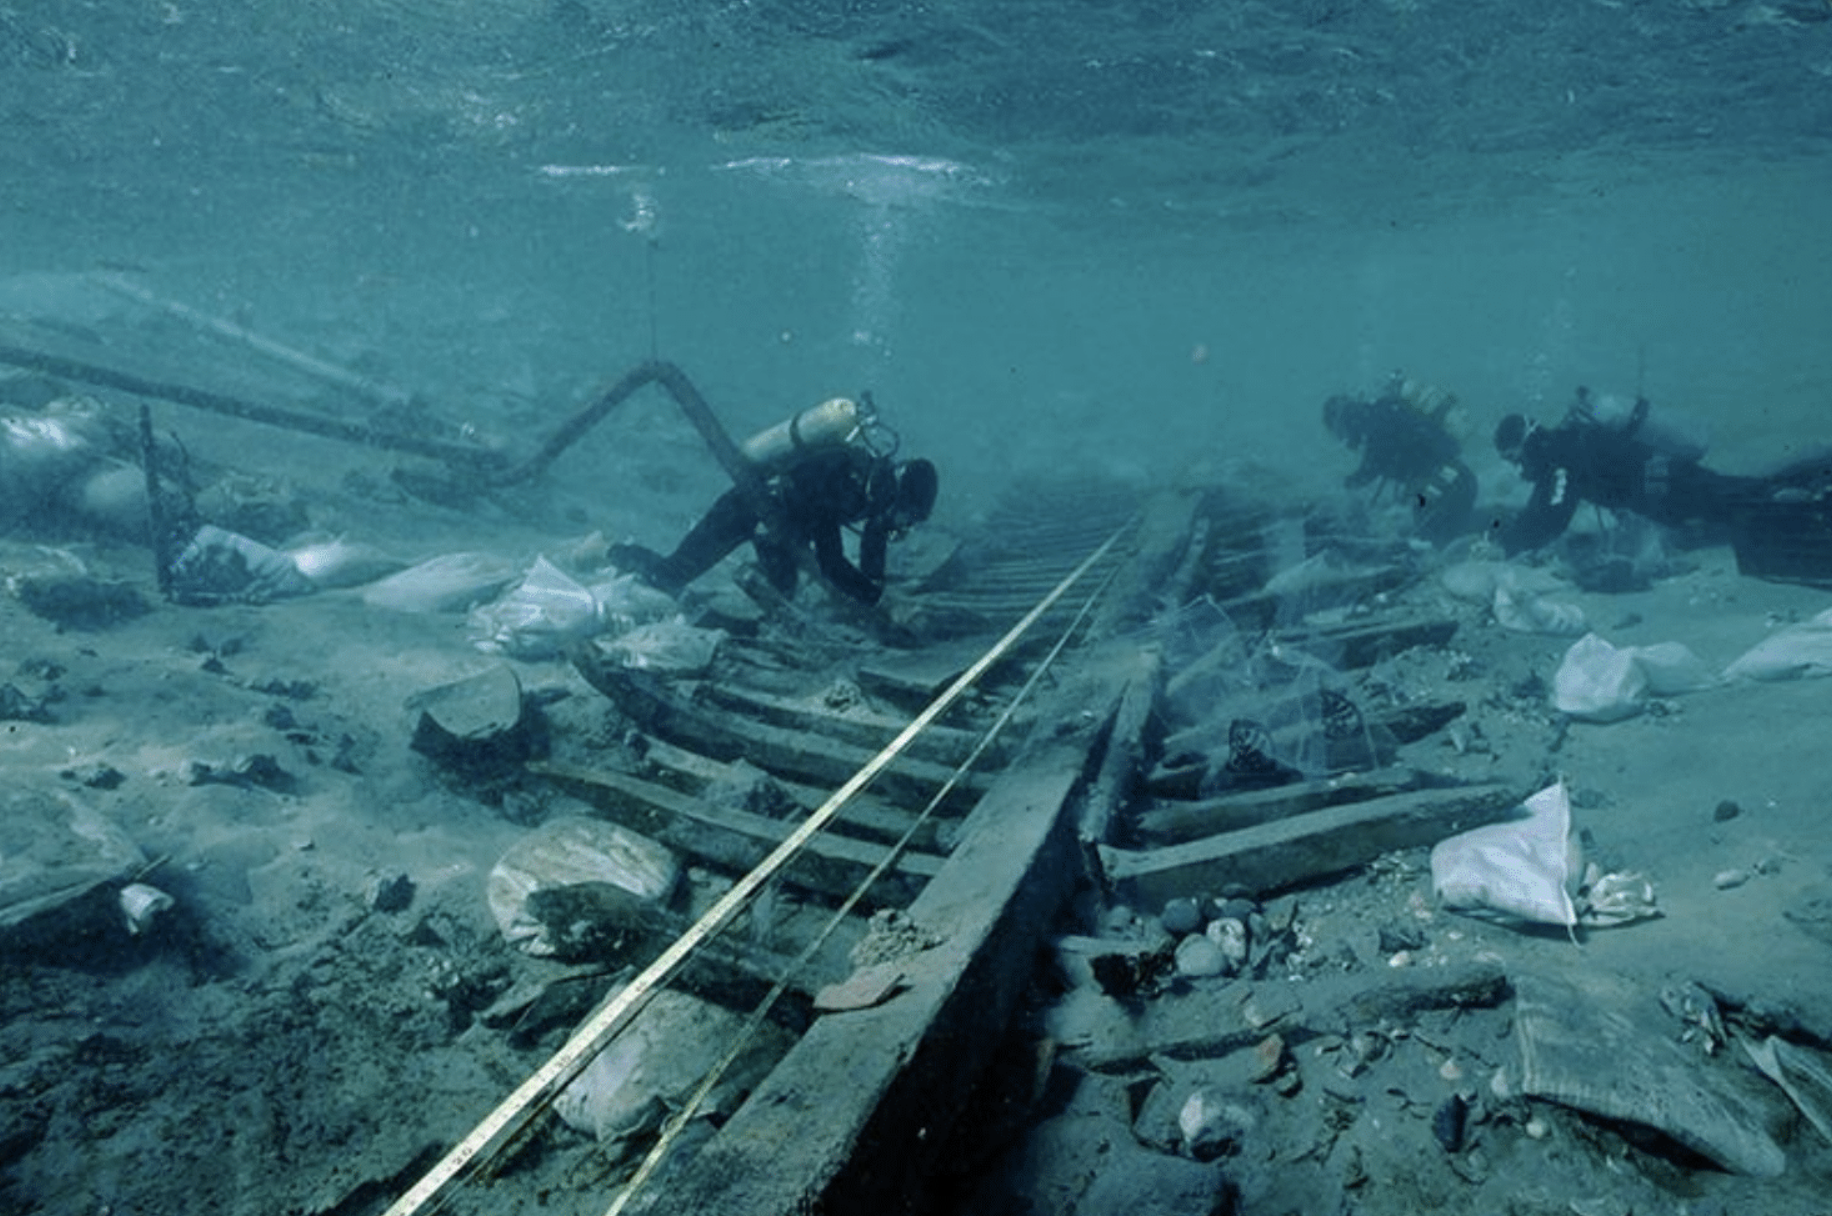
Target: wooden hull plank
664, 710
851, 1120
865, 816
1269, 856
832, 865
1173, 822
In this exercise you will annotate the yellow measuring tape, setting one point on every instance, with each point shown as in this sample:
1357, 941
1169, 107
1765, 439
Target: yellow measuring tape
514, 1112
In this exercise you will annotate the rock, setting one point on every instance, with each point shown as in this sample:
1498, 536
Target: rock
1726, 811
1213, 1124
78, 601
1449, 1123
1181, 916
1268, 1057
1198, 957
389, 893
1724, 880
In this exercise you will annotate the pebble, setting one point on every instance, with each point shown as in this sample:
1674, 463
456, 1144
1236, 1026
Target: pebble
1198, 957
1181, 916
1733, 877
1268, 1057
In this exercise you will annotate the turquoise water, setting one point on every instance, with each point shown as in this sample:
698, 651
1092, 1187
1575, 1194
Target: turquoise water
1120, 236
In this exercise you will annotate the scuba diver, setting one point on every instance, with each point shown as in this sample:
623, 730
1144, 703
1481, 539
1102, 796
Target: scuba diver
828, 468
1406, 442
1608, 453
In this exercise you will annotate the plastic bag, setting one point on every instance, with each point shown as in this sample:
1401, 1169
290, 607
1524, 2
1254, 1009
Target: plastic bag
1526, 868
540, 618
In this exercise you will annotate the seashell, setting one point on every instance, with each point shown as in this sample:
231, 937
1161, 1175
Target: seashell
1618, 899
1231, 935
140, 904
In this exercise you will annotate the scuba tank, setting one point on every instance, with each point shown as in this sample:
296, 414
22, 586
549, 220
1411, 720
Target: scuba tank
833, 423
1668, 432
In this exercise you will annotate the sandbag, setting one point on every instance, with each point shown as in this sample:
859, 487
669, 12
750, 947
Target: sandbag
1597, 682
572, 851
1526, 612
451, 583
1585, 1042
1527, 868
671, 648
1798, 650
539, 619
657, 1062
55, 848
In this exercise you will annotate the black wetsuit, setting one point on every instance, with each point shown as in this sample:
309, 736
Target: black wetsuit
1582, 460
820, 495
1405, 447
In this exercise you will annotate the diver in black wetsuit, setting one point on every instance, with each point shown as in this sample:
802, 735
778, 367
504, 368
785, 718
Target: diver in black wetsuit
822, 492
1620, 465
1406, 443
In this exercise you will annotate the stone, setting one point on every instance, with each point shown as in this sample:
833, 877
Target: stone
1198, 957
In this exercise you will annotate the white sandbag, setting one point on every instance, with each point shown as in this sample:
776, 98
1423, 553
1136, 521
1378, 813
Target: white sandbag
55, 848
1477, 581
1527, 612
451, 583
1671, 668
672, 648
1526, 868
659, 1060
539, 619
569, 851
342, 562
1597, 682
624, 602
1798, 650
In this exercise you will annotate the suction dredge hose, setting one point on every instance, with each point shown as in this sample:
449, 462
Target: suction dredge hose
471, 464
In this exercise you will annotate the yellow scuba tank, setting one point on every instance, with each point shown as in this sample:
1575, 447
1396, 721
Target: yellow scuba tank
833, 423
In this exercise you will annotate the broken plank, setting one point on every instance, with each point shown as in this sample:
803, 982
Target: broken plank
855, 724
832, 865
1212, 1020
873, 818
1364, 642
1269, 856
672, 713
1174, 822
